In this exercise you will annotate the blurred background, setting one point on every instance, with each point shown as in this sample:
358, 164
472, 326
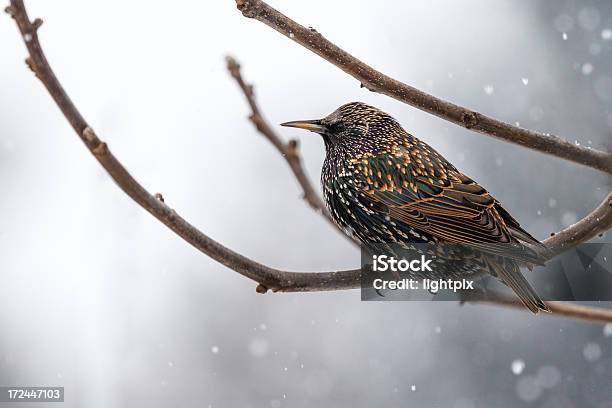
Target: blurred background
99, 297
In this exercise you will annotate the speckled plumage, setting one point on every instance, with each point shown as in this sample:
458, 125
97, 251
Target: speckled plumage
383, 185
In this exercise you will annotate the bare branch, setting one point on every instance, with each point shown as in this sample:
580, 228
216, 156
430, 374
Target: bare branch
378, 82
266, 277
571, 310
597, 222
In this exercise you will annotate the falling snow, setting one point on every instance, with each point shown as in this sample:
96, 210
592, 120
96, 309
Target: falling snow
589, 18
591, 352
517, 366
568, 218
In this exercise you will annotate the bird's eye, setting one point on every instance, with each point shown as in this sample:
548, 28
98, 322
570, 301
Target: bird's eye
336, 127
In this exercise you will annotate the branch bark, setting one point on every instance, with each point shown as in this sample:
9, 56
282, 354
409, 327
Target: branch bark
266, 277
569, 310
376, 81
595, 223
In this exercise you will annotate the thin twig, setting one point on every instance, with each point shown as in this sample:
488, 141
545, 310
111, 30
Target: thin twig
376, 81
289, 150
266, 277
572, 310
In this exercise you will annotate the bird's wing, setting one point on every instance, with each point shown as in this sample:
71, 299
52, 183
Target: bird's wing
419, 188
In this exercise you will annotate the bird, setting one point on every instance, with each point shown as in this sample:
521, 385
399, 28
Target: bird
382, 185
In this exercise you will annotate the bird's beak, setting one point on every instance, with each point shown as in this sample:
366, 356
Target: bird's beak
312, 125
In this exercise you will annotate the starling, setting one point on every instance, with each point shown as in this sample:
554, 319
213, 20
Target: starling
383, 185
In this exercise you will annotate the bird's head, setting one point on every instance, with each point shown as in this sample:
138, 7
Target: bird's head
353, 127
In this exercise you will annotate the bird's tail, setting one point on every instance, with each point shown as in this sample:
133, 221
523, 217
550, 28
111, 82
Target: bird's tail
509, 272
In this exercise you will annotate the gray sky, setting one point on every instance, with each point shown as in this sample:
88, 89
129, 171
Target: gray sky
99, 297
